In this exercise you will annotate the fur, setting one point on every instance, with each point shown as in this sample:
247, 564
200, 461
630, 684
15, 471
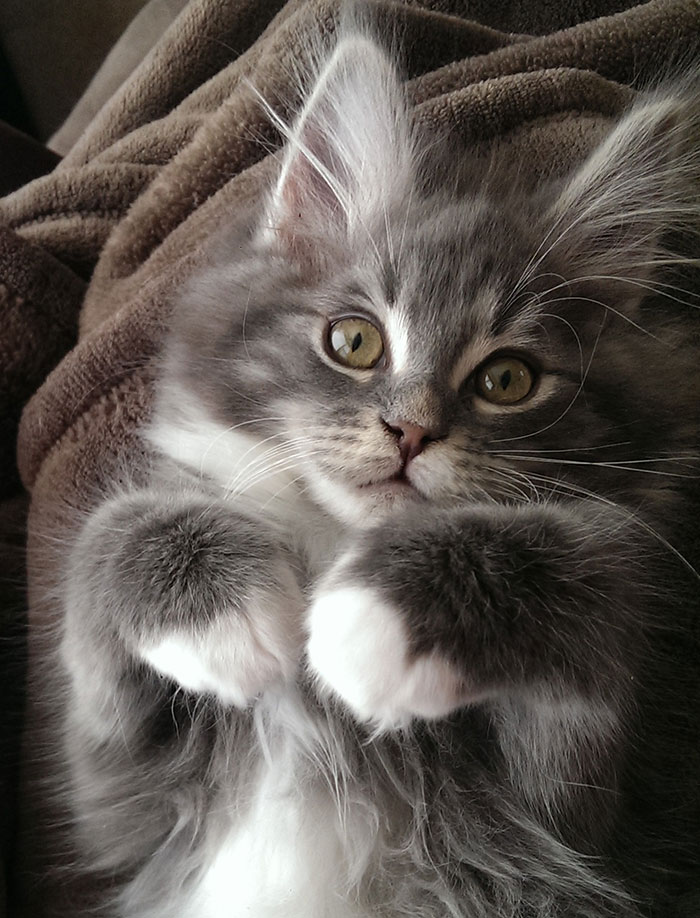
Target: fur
312, 678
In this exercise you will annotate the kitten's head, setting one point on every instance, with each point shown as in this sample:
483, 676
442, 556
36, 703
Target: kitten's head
399, 326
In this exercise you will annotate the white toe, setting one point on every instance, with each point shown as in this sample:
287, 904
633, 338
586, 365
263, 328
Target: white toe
358, 647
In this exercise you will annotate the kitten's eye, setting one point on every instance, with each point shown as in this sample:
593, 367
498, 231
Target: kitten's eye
355, 343
504, 381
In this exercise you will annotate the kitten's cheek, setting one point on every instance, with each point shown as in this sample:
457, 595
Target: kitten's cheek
358, 650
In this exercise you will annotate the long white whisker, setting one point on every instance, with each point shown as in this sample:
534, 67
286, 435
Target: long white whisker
608, 308
647, 284
620, 466
231, 429
279, 466
507, 476
280, 451
569, 449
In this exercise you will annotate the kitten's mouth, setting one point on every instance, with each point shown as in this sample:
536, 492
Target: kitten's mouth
397, 483
400, 477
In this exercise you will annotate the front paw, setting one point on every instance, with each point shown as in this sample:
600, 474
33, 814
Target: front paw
360, 649
240, 653
183, 584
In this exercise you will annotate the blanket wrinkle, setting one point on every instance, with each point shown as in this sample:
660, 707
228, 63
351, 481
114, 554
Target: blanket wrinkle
631, 47
202, 40
92, 255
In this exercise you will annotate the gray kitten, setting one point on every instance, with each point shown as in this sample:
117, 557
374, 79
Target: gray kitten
398, 622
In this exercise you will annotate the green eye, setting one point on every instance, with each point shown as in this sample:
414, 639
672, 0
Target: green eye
355, 343
504, 381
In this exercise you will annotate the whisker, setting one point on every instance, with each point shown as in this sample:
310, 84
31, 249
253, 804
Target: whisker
606, 306
619, 466
646, 284
584, 493
233, 428
281, 452
279, 466
284, 487
568, 449
507, 476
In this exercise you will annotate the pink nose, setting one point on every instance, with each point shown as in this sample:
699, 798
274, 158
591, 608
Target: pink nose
412, 438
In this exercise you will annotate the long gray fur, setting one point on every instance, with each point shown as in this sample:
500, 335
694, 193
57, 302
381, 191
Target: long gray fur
542, 561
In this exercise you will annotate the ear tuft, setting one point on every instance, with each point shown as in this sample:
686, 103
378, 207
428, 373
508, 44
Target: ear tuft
614, 215
349, 153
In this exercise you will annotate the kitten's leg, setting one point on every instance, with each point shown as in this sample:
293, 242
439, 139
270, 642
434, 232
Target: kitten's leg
183, 584
432, 613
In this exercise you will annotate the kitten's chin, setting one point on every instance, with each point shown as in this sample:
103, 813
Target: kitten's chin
363, 506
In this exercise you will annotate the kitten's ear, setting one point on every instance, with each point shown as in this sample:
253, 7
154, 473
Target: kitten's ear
612, 216
349, 153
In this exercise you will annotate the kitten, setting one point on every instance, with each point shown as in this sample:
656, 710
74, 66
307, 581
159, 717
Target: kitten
392, 627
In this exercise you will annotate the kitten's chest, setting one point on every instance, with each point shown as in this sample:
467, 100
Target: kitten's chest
282, 852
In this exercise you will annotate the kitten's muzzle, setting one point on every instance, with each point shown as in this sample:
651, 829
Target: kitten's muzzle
412, 438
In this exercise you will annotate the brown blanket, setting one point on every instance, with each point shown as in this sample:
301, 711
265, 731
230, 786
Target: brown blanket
106, 239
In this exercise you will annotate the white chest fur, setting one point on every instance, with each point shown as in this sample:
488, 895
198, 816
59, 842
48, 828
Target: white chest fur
289, 854
283, 861
294, 847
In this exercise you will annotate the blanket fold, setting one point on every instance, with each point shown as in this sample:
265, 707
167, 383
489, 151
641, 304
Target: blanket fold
40, 299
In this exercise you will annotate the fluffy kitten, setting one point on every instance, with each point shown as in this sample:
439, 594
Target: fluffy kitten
395, 625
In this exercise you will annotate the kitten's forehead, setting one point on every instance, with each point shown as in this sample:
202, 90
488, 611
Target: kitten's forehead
448, 295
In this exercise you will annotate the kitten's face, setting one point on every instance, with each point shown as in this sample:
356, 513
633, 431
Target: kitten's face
447, 305
388, 342
464, 364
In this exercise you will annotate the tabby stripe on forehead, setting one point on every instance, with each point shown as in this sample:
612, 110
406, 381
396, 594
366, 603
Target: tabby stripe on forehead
482, 340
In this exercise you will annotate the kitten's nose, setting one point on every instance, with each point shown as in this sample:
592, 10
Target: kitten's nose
412, 438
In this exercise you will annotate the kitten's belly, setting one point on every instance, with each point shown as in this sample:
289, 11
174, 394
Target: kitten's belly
284, 860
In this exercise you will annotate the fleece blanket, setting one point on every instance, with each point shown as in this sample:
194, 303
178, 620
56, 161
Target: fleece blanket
91, 254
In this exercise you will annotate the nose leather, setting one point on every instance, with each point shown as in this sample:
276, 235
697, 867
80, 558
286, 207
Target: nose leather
412, 438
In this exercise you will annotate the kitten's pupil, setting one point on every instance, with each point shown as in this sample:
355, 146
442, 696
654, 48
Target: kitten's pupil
355, 342
505, 381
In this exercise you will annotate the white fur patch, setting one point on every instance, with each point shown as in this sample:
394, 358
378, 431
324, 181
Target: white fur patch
236, 460
286, 853
359, 507
242, 463
399, 338
358, 648
239, 655
283, 860
180, 659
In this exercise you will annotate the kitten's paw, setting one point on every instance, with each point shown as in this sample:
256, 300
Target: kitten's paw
241, 653
358, 647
